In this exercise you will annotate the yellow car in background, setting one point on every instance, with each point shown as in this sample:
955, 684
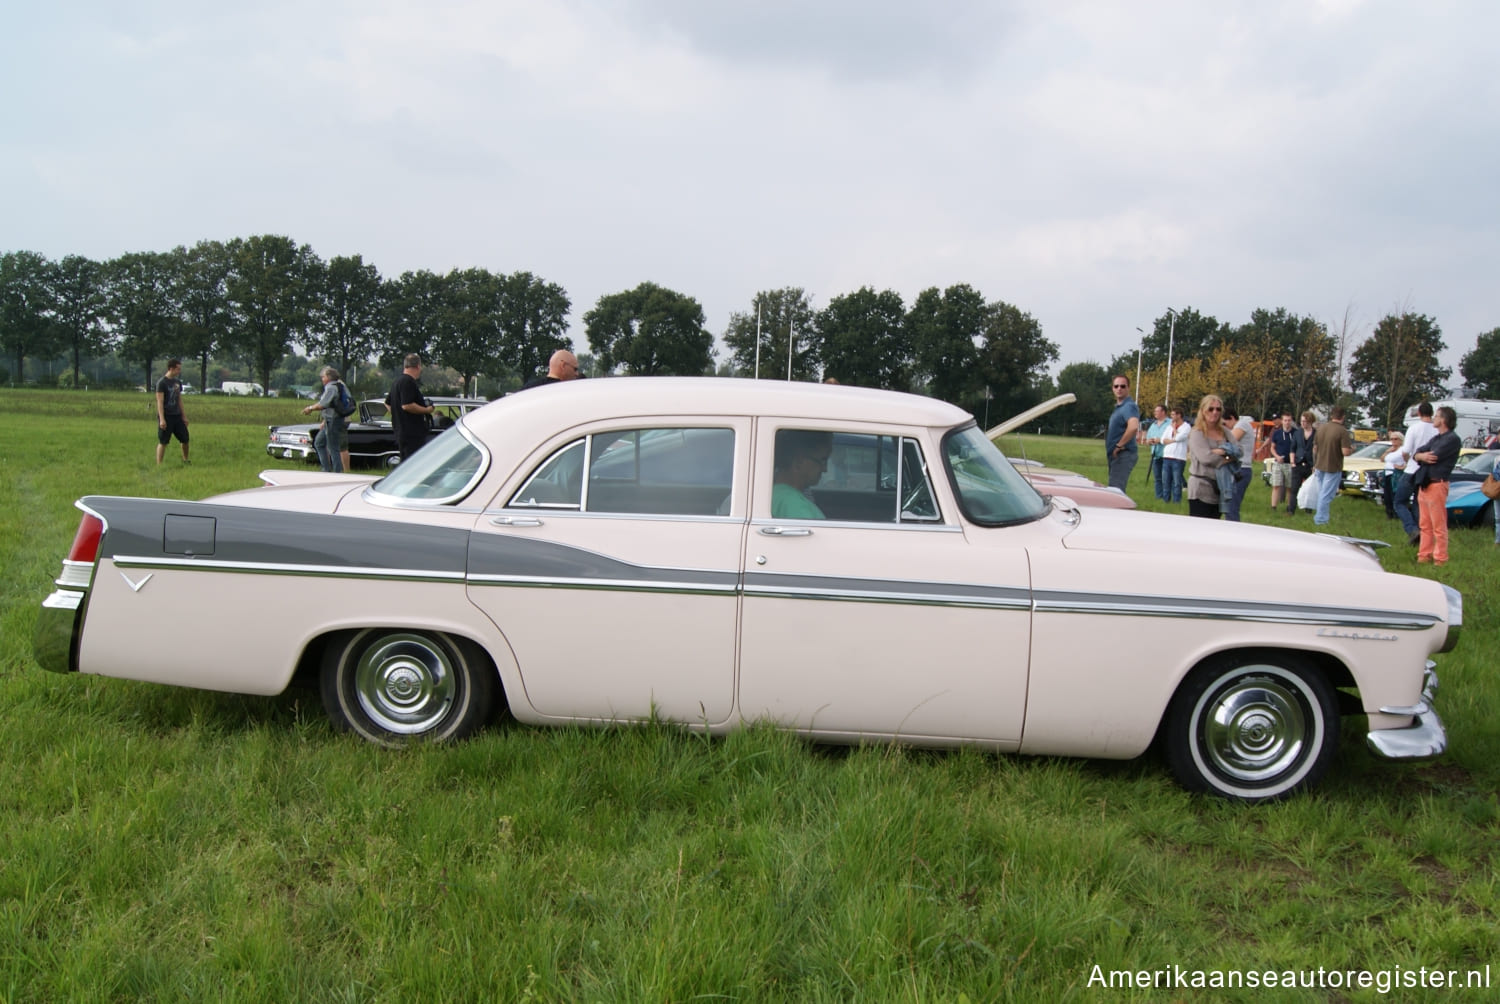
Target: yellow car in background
1362, 468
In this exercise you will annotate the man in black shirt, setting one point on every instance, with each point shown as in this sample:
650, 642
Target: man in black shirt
562, 366
409, 409
170, 420
1302, 459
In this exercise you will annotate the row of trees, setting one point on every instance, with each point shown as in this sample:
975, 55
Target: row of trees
952, 344
254, 299
1278, 362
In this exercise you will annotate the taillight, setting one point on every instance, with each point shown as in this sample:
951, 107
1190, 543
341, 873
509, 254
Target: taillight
86, 540
78, 566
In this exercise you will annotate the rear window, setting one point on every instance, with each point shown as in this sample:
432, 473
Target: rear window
443, 471
658, 471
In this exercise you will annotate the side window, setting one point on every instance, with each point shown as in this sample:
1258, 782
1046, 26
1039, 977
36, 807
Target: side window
558, 483
666, 471
918, 504
852, 477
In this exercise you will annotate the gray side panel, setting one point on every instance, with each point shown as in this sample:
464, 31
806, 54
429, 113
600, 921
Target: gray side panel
496, 558
142, 528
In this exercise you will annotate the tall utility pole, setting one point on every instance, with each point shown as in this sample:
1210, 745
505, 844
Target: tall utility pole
757, 338
1171, 337
1138, 349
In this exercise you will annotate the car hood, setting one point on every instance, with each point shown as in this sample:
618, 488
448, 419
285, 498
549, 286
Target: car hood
1459, 491
1168, 536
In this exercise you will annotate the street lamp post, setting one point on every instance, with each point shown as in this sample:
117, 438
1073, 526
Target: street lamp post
1171, 337
1138, 349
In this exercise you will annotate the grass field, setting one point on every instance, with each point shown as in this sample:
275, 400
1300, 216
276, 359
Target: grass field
162, 844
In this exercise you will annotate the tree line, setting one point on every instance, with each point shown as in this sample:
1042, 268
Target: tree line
1280, 362
252, 299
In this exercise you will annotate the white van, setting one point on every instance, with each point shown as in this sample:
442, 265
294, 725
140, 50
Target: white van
243, 389
1476, 418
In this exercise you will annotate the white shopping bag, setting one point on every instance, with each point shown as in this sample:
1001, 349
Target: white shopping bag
1307, 495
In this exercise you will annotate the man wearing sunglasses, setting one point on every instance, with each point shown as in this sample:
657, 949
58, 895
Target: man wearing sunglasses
1119, 438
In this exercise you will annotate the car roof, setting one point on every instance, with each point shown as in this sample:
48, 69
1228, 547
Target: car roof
556, 406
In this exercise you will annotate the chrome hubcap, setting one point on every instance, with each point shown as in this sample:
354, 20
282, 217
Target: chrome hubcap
405, 683
1255, 729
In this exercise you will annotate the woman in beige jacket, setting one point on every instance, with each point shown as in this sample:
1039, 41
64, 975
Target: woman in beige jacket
1206, 454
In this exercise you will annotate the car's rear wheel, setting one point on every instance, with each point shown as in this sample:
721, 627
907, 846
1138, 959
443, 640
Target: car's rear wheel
1252, 728
395, 687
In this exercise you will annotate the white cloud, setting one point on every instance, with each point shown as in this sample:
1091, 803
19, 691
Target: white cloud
1091, 162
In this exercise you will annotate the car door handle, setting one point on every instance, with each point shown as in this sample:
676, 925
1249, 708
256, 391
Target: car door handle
785, 531
515, 521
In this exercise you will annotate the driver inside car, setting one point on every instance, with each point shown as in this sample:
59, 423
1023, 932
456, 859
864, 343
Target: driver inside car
801, 458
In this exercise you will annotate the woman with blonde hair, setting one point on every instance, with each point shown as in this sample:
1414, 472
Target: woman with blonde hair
1207, 452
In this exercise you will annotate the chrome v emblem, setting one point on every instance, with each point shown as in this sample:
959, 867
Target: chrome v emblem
135, 587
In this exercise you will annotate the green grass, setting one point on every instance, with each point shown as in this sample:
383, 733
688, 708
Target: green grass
167, 844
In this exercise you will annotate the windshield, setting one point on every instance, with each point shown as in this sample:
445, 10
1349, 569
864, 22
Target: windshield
442, 471
989, 489
1371, 451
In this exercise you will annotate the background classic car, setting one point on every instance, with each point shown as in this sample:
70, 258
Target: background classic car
606, 551
1363, 467
372, 438
1050, 480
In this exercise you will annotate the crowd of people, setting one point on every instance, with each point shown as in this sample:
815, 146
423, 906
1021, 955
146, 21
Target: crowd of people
1210, 460
410, 409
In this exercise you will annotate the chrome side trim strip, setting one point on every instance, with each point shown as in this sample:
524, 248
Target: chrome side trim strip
277, 568
815, 524
883, 596
624, 585
565, 511
1259, 612
831, 587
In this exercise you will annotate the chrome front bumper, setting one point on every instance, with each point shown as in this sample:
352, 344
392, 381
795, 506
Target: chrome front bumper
285, 452
56, 626
1423, 739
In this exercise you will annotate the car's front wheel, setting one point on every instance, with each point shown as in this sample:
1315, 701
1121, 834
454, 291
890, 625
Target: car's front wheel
395, 687
1252, 728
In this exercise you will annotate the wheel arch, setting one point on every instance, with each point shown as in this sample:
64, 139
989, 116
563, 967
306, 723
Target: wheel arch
310, 661
1333, 668
1255, 723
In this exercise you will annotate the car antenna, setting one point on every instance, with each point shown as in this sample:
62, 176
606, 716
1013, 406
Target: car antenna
1025, 464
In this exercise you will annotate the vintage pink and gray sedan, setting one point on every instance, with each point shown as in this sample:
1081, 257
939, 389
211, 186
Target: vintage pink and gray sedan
854, 565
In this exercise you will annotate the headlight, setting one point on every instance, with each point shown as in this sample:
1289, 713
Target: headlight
1455, 618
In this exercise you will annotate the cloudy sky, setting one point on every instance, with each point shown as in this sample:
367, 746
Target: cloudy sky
1090, 162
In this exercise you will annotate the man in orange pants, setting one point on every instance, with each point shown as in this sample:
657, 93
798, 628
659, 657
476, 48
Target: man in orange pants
1435, 465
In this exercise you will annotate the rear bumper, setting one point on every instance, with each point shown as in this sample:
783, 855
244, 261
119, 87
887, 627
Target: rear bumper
52, 643
1424, 739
